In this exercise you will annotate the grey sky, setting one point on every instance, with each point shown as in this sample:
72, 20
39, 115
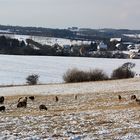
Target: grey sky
67, 13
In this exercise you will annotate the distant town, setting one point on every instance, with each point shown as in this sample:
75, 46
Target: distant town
74, 41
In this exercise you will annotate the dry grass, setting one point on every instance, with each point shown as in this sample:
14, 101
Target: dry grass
68, 104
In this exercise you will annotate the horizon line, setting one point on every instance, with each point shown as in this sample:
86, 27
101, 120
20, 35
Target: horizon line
33, 26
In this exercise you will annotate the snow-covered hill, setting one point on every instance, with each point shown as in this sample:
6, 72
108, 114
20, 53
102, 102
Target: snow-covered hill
47, 40
15, 69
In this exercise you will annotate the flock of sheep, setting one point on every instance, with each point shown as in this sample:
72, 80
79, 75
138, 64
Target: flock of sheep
133, 97
22, 103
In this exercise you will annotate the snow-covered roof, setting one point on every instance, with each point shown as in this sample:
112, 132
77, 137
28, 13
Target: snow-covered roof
115, 39
130, 46
134, 50
118, 44
128, 43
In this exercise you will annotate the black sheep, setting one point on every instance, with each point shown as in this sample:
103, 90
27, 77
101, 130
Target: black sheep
56, 98
119, 97
1, 99
32, 98
133, 97
22, 103
2, 108
43, 107
75, 97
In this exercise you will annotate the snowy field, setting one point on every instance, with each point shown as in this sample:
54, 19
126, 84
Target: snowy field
15, 69
47, 40
132, 35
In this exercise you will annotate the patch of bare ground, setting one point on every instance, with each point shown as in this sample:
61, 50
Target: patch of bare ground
96, 115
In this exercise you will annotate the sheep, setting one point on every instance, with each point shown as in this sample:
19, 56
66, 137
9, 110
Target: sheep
119, 97
43, 107
22, 103
2, 108
75, 97
1, 99
31, 98
133, 97
23, 100
56, 99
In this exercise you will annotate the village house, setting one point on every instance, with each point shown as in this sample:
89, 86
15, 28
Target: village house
102, 46
134, 54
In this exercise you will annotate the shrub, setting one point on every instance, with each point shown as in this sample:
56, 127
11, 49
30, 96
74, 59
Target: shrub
97, 75
75, 75
128, 65
124, 71
32, 79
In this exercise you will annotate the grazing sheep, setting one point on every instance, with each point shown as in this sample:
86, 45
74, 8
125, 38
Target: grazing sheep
2, 108
43, 107
1, 99
23, 100
22, 103
32, 98
133, 97
56, 99
75, 97
119, 97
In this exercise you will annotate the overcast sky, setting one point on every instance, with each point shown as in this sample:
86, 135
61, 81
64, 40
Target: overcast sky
68, 13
